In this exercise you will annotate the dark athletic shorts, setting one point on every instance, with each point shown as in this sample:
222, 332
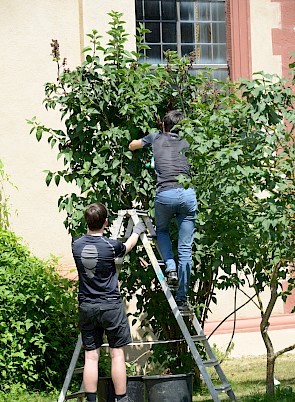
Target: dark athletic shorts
97, 319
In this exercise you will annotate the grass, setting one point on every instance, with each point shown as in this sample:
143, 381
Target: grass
246, 376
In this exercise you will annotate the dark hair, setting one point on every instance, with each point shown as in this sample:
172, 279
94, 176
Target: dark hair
95, 216
171, 118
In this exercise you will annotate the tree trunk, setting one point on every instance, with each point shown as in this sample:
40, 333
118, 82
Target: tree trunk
265, 316
270, 362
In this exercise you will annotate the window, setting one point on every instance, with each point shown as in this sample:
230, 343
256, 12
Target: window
195, 28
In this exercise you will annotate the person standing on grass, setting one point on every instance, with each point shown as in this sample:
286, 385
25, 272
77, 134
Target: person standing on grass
172, 200
101, 310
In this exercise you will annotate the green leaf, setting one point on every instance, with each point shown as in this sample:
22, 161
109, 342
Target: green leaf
48, 177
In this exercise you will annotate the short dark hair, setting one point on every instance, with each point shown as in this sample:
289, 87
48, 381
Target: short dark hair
95, 215
171, 119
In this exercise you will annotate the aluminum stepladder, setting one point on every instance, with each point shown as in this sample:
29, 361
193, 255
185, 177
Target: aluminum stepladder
200, 338
119, 231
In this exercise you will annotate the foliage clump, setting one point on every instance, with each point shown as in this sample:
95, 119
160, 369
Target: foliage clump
38, 312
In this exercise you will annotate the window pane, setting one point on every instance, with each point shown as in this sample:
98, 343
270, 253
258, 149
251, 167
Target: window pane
187, 10
169, 46
220, 75
205, 54
154, 36
205, 33
187, 32
169, 32
154, 54
218, 32
218, 12
187, 50
151, 10
168, 10
219, 54
204, 11
139, 14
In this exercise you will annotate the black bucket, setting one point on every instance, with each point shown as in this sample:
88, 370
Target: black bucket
135, 388
169, 388
106, 392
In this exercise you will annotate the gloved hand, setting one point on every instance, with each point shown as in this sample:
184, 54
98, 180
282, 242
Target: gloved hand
139, 228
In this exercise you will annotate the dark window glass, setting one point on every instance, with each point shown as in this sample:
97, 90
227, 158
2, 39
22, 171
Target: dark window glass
170, 46
169, 32
154, 35
187, 32
154, 54
139, 13
188, 50
168, 10
152, 10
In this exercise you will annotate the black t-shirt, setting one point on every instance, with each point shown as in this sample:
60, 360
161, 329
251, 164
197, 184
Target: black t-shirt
170, 160
95, 260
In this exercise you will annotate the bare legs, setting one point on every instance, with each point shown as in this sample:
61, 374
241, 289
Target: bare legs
90, 375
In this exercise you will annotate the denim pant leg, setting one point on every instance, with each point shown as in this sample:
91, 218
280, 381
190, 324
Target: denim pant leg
186, 223
164, 211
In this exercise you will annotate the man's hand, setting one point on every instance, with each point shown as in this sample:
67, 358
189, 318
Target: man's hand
139, 228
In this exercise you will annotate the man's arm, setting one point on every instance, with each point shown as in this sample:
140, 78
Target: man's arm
132, 240
135, 144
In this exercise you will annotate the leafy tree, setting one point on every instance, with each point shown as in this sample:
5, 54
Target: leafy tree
244, 172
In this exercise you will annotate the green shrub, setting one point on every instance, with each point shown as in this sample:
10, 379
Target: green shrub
38, 316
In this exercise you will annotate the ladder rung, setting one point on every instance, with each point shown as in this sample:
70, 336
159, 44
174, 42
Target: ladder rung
78, 370
223, 387
75, 395
211, 363
141, 213
196, 338
188, 313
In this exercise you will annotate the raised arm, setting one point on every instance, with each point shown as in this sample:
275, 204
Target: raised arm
135, 144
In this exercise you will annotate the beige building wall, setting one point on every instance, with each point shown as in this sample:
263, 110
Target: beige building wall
265, 15
26, 30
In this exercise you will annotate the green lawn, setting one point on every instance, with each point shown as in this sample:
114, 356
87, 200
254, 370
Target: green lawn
246, 376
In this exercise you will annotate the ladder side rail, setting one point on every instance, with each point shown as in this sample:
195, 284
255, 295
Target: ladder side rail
71, 369
209, 351
116, 226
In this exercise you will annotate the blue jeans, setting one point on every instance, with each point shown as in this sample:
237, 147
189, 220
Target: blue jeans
182, 204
